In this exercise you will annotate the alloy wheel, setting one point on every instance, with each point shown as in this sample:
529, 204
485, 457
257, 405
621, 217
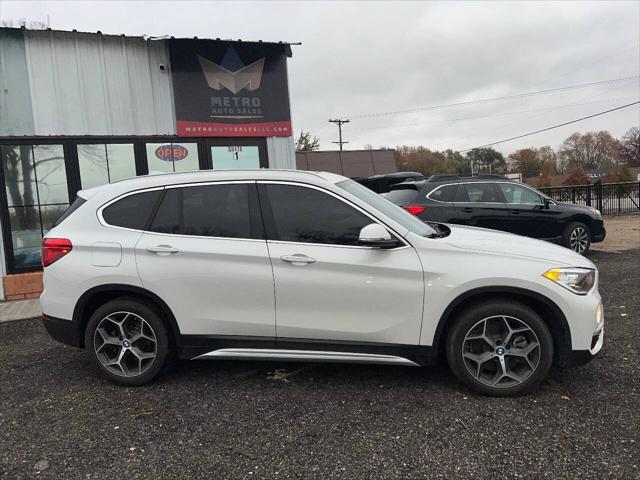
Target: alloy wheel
501, 351
579, 239
125, 344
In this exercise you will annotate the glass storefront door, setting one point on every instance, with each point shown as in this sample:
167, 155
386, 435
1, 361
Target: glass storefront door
238, 154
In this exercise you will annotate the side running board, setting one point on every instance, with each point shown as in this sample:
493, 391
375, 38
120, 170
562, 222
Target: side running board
303, 356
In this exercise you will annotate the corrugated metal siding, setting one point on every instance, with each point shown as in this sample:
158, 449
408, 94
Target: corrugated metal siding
87, 84
281, 152
16, 117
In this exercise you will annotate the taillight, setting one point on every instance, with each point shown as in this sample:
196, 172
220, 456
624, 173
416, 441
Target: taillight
53, 249
414, 209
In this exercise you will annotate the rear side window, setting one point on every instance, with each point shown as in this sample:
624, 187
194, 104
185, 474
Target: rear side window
205, 211
77, 203
481, 192
307, 215
446, 193
402, 196
133, 211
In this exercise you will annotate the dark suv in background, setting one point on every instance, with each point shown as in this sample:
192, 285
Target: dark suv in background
495, 202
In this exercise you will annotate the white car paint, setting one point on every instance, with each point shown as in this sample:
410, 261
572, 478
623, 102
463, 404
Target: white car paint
244, 287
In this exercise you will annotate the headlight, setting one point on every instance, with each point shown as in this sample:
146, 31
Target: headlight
596, 212
578, 280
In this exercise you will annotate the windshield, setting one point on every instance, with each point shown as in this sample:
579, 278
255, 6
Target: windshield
389, 209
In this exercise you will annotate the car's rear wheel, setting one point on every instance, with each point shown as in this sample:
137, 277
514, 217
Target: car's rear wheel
577, 237
500, 348
127, 341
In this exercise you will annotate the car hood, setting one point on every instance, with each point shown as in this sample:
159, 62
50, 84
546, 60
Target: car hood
493, 241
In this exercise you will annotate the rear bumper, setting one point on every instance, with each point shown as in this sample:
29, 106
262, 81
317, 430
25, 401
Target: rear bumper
64, 331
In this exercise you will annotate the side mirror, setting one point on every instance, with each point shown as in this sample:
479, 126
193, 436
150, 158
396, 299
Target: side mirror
546, 202
375, 235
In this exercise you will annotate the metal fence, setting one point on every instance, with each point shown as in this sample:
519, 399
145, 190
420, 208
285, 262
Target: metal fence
609, 198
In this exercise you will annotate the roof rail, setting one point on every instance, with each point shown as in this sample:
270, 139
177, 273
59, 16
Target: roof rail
454, 176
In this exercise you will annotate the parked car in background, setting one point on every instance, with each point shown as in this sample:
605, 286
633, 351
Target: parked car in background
495, 202
205, 265
383, 183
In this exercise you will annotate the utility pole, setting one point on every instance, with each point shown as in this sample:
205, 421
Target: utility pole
339, 122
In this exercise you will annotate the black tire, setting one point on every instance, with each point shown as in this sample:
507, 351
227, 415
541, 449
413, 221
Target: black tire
519, 316
577, 237
155, 329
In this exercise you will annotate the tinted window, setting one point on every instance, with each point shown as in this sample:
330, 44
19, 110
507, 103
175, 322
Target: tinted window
303, 214
446, 193
481, 192
167, 219
132, 211
514, 193
207, 211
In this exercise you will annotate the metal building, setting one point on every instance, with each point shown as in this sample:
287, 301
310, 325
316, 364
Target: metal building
82, 109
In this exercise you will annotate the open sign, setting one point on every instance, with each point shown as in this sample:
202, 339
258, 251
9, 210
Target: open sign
171, 152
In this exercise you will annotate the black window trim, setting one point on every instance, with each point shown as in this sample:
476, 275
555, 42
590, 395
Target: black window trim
257, 229
270, 230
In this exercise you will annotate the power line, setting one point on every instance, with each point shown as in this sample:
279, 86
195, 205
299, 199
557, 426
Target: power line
551, 128
360, 132
494, 99
339, 122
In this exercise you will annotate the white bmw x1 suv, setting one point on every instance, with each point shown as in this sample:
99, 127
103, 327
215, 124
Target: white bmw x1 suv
291, 265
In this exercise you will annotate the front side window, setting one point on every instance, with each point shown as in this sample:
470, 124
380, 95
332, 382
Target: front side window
384, 206
516, 194
105, 163
205, 211
306, 215
37, 195
481, 192
132, 211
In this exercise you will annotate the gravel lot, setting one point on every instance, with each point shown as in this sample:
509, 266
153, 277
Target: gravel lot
263, 420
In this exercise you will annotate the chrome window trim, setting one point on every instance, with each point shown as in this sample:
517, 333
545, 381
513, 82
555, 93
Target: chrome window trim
344, 200
104, 223
491, 203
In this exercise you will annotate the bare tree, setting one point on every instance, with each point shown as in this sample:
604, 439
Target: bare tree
307, 144
630, 147
591, 150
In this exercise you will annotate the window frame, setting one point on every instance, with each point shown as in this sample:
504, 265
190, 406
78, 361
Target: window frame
269, 222
257, 229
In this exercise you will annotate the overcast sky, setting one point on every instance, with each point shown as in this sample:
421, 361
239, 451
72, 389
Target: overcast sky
366, 58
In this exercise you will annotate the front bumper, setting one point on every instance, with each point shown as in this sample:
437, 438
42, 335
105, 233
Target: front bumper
575, 358
599, 236
64, 331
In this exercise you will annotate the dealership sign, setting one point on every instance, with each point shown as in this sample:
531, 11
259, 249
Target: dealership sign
230, 89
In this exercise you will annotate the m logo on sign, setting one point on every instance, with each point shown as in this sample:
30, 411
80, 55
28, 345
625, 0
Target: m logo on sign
219, 77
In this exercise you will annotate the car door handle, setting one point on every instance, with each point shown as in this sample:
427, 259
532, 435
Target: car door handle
298, 259
517, 212
467, 209
162, 250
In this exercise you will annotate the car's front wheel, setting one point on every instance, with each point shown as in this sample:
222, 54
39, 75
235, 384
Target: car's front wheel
127, 341
500, 348
577, 237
